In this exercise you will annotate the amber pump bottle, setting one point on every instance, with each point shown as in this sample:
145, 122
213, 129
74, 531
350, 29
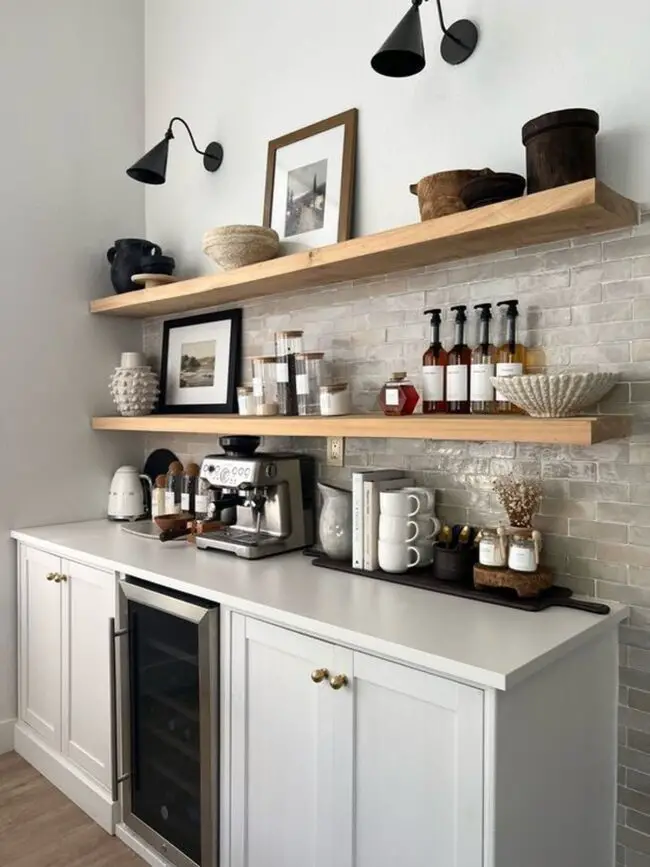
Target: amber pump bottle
511, 356
458, 367
434, 369
481, 390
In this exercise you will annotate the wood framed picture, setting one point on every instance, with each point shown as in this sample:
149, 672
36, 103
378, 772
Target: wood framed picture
201, 358
310, 178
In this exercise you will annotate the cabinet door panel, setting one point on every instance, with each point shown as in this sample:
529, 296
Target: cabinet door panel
283, 732
88, 605
418, 768
40, 645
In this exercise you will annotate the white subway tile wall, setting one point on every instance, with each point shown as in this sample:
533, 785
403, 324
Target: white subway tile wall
585, 303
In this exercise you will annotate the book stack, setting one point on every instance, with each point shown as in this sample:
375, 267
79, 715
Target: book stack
366, 487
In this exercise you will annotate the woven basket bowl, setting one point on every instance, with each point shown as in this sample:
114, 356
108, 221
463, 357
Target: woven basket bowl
555, 396
235, 246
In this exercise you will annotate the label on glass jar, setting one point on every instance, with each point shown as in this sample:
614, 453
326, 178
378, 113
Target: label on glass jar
258, 388
491, 553
282, 371
302, 383
185, 502
201, 504
392, 397
170, 503
480, 386
457, 382
433, 380
508, 369
522, 558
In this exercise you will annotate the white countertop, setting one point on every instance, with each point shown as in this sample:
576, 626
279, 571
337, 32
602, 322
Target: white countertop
483, 644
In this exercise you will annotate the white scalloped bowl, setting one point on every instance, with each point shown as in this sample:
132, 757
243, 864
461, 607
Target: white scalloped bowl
555, 395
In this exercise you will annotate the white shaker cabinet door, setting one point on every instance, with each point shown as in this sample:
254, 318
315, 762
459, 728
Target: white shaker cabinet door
88, 597
418, 769
285, 769
39, 617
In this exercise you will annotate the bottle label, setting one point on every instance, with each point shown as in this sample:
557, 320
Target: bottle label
457, 382
302, 384
185, 502
282, 371
201, 504
508, 369
433, 379
170, 503
481, 389
258, 388
392, 397
158, 503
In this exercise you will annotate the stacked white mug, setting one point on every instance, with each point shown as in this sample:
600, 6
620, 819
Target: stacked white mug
407, 529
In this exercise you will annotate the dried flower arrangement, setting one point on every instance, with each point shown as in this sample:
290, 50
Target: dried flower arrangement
520, 498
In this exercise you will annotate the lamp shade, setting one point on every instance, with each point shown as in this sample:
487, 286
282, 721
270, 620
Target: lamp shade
152, 167
402, 54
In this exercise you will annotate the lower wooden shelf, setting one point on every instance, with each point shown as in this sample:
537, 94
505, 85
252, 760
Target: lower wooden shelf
582, 430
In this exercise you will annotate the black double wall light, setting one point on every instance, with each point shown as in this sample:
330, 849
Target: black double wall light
402, 54
152, 167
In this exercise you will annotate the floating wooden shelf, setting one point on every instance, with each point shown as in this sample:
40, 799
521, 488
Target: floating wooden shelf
581, 431
565, 212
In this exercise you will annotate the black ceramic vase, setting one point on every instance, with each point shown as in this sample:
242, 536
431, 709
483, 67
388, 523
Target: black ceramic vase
132, 256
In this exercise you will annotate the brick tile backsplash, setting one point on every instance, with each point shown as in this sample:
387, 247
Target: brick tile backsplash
584, 303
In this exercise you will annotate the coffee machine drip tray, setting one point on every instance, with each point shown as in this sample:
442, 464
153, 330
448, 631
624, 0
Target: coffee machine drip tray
243, 543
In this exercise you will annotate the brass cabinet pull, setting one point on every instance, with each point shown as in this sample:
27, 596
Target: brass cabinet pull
51, 576
338, 681
320, 675
63, 578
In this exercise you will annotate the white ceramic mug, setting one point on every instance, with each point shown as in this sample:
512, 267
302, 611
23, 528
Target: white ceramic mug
399, 504
426, 498
398, 529
397, 557
425, 550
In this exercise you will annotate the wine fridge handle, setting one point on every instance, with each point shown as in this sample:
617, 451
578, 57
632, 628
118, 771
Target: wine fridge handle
116, 777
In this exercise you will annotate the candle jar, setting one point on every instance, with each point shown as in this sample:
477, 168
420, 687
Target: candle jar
265, 387
287, 345
398, 396
309, 377
493, 549
523, 556
335, 399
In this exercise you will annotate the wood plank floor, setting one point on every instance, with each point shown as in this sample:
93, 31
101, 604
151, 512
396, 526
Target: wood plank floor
40, 827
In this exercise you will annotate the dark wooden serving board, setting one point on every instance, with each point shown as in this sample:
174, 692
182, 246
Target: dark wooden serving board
421, 578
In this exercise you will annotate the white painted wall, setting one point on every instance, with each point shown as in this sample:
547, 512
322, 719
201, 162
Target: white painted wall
72, 96
249, 71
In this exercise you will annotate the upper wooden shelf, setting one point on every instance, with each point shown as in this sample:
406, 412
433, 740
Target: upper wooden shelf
565, 212
582, 431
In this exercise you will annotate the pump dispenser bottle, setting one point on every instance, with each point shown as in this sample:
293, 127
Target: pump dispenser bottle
511, 356
458, 367
483, 365
434, 369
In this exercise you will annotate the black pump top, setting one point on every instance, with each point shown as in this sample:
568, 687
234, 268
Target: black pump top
435, 315
486, 311
513, 308
461, 315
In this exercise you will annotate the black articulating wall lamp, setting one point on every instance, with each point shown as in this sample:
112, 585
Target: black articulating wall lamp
152, 168
402, 54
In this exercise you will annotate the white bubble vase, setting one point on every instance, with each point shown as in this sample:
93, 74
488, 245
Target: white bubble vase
134, 386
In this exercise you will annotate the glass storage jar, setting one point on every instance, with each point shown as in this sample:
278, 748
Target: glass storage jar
399, 396
335, 399
309, 378
265, 388
287, 345
245, 400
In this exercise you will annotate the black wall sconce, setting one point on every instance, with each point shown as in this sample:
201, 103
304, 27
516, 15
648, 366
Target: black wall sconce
402, 54
152, 167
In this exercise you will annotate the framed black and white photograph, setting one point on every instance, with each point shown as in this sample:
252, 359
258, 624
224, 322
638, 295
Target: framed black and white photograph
200, 363
310, 183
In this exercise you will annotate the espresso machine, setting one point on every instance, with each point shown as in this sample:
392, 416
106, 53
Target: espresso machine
269, 498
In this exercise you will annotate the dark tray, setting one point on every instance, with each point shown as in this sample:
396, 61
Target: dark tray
557, 596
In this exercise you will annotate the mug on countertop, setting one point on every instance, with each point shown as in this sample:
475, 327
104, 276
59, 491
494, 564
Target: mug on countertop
397, 557
398, 504
426, 498
398, 529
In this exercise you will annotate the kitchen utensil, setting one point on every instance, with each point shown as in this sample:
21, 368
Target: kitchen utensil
439, 194
488, 190
453, 564
236, 246
335, 523
397, 557
129, 495
555, 395
398, 504
173, 522
445, 537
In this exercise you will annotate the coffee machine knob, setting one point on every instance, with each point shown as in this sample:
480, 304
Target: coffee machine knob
271, 471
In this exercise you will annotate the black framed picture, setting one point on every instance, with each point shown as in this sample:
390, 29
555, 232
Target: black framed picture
201, 357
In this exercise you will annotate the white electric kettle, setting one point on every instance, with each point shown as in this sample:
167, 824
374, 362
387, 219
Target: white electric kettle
127, 500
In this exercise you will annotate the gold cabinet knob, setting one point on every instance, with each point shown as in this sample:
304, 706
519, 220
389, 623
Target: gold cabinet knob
338, 681
320, 675
59, 578
51, 576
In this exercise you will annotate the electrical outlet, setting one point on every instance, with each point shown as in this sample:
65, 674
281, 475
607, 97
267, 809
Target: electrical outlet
335, 451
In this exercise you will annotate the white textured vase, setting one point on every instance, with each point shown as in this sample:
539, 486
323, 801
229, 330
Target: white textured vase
134, 386
335, 526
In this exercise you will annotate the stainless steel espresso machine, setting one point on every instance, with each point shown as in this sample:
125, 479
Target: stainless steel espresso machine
271, 498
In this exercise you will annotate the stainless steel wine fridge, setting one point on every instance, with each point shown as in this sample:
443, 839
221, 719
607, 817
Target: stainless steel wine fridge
166, 667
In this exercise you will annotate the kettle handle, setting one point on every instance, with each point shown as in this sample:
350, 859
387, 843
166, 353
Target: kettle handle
111, 254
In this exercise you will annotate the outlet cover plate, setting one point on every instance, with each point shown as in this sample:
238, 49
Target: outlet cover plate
335, 451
